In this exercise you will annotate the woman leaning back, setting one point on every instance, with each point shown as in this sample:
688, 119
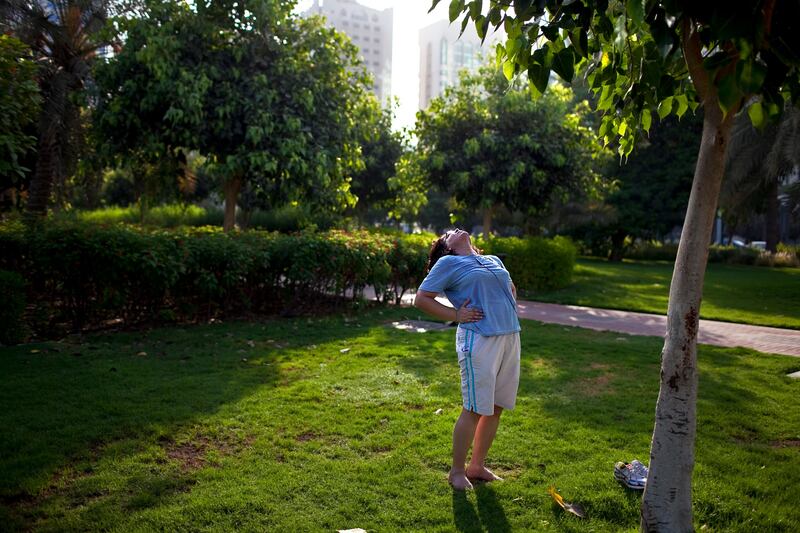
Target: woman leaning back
487, 343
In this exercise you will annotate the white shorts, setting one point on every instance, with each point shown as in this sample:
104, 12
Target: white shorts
489, 370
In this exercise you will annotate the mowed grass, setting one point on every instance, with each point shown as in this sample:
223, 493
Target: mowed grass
732, 293
324, 424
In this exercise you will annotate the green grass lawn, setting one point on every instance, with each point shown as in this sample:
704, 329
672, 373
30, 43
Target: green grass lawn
325, 424
732, 293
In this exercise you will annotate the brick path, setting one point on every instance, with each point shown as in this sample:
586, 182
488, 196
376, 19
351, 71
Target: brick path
761, 338
728, 334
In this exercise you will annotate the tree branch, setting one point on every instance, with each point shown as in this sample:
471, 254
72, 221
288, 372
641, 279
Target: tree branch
693, 55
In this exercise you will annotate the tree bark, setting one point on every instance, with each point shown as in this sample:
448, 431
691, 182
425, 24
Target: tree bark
667, 501
773, 224
48, 157
617, 246
487, 221
232, 188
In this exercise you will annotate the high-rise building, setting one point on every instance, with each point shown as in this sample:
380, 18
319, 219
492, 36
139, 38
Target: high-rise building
442, 55
370, 30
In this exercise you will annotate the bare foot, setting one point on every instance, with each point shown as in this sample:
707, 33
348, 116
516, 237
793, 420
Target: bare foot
459, 480
482, 473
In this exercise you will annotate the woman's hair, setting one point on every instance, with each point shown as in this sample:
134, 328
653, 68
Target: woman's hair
439, 249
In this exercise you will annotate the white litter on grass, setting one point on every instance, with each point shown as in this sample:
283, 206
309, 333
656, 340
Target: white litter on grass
356, 530
344, 350
437, 412
794, 375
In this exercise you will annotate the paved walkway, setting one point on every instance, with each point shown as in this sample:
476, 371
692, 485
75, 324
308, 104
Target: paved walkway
761, 338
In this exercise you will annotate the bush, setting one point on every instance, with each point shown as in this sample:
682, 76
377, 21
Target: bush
12, 292
535, 263
90, 273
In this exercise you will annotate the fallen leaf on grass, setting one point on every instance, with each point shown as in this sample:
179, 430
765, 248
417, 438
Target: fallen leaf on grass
574, 508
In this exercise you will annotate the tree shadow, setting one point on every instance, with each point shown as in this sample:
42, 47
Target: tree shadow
65, 401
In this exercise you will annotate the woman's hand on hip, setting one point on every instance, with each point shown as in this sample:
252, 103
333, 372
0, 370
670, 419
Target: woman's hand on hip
468, 314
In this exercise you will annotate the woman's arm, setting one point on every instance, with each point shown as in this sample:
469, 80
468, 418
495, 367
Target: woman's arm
426, 301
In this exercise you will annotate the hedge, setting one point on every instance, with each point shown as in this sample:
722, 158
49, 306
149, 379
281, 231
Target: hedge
535, 263
12, 292
786, 256
81, 273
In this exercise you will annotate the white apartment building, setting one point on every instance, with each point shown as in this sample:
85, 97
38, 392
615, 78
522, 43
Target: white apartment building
370, 30
442, 54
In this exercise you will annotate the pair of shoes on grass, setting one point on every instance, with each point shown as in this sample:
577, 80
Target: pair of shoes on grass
633, 475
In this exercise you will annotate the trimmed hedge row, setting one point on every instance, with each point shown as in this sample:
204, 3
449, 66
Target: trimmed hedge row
784, 257
83, 273
535, 263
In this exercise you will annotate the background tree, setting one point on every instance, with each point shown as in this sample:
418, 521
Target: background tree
64, 36
19, 100
654, 183
381, 148
266, 97
646, 55
476, 142
758, 164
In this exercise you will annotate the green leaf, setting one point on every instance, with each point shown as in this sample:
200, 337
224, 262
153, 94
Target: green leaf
750, 75
475, 8
647, 120
757, 116
521, 6
551, 32
729, 93
580, 41
463, 26
433, 5
665, 108
539, 76
456, 7
508, 69
683, 104
635, 11
564, 65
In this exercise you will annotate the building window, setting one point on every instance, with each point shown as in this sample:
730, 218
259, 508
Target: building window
443, 52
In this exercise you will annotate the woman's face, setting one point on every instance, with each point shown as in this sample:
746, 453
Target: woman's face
455, 237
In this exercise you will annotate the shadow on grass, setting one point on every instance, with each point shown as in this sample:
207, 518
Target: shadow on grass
64, 402
489, 516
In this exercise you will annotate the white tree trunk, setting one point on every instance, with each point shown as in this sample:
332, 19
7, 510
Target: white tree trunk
667, 502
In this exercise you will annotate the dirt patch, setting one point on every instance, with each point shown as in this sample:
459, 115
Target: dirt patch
600, 366
307, 436
192, 454
594, 386
790, 443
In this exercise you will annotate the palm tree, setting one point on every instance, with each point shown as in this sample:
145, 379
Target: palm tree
758, 163
64, 38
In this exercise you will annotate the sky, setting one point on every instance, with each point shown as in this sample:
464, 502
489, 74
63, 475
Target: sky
409, 17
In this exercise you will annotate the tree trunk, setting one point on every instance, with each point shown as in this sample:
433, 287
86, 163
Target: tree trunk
617, 246
667, 500
773, 210
487, 221
232, 188
42, 180
48, 157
